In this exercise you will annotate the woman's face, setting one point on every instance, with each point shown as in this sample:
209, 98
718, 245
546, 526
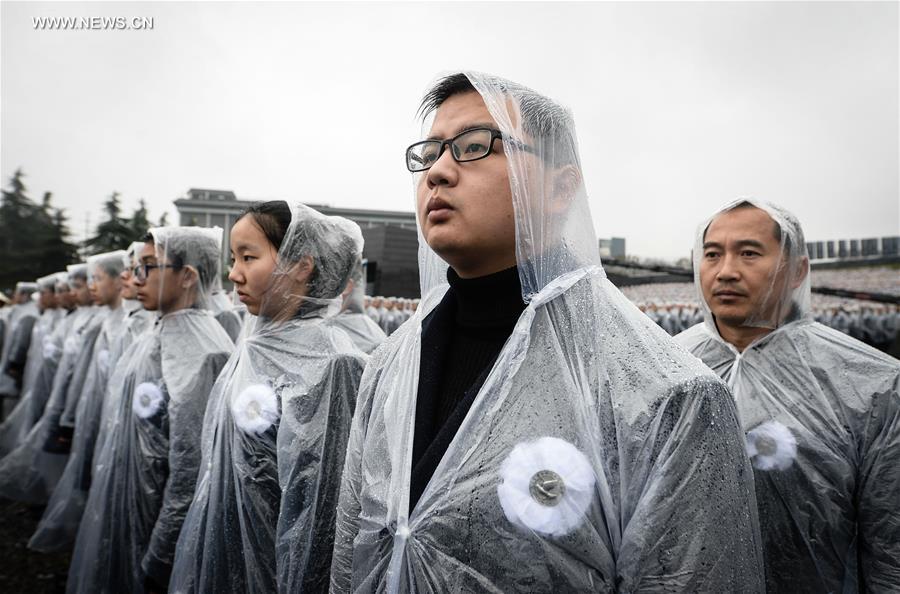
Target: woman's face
253, 262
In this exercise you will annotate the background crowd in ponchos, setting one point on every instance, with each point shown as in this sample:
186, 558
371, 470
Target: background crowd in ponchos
675, 308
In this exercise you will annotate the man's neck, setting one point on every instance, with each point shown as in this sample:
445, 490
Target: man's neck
115, 303
740, 337
478, 267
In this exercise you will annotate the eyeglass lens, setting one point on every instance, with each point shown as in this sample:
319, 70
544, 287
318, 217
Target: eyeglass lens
468, 146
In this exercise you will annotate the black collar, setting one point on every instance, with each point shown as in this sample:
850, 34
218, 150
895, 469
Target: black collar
487, 301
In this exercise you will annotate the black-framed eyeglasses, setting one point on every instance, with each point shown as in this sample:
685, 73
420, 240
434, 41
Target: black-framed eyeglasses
469, 145
141, 271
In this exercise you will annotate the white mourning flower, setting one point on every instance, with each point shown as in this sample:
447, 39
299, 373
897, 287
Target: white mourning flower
49, 349
547, 486
255, 409
771, 446
103, 360
147, 400
70, 346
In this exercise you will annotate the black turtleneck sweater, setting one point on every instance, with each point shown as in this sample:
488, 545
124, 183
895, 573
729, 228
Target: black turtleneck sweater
461, 339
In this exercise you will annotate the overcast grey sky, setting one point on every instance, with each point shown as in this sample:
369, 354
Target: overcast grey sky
679, 106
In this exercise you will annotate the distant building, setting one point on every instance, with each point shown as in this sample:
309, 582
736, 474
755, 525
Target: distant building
613, 247
868, 249
391, 245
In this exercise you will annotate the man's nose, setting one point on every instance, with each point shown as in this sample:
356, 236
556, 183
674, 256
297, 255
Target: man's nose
729, 269
444, 172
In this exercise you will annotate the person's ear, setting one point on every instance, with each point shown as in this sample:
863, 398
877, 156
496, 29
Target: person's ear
302, 269
564, 185
189, 277
801, 273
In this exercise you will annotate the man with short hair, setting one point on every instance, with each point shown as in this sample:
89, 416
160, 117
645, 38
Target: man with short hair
528, 429
144, 476
821, 410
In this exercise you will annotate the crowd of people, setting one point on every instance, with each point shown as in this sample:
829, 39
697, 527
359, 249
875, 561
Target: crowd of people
523, 428
675, 307
390, 312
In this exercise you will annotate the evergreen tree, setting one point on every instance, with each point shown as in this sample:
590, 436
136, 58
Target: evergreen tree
53, 244
164, 220
139, 223
20, 225
112, 234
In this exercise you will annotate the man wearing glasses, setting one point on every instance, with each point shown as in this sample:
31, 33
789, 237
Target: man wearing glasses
150, 456
528, 429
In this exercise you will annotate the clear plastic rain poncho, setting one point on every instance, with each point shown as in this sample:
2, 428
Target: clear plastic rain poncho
597, 455
30, 405
226, 314
353, 320
276, 430
59, 524
821, 414
30, 472
16, 340
144, 477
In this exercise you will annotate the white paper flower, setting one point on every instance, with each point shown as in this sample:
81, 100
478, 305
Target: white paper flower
103, 360
547, 487
771, 445
255, 409
49, 349
147, 400
70, 346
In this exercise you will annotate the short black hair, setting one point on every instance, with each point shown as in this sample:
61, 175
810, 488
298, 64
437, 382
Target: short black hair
454, 84
272, 217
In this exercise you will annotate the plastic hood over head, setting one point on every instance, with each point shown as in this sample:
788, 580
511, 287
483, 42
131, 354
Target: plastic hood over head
26, 287
47, 283
62, 281
574, 466
112, 263
197, 248
132, 254
76, 271
331, 246
787, 294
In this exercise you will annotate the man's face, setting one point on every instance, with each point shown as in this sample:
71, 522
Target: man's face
105, 287
129, 289
162, 287
48, 299
81, 294
21, 297
742, 269
64, 296
465, 209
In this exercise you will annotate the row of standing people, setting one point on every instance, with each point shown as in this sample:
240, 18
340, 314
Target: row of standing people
132, 353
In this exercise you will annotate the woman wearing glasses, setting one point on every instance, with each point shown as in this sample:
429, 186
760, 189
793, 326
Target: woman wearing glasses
275, 432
